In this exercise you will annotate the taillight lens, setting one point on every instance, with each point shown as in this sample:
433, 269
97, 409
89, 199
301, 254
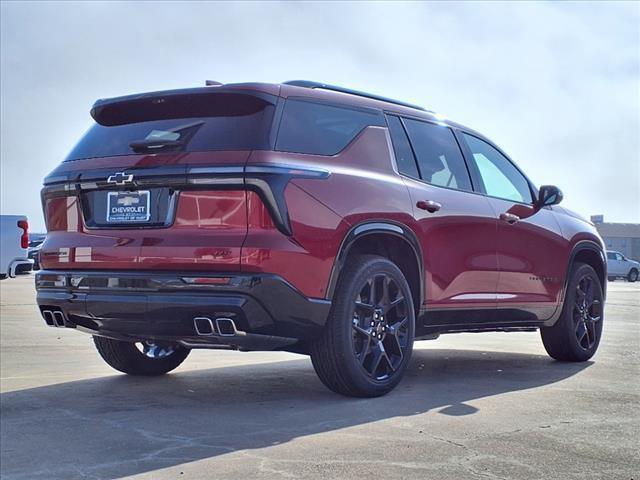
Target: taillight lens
24, 239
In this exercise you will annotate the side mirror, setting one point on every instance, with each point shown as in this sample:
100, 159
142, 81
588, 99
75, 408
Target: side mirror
548, 195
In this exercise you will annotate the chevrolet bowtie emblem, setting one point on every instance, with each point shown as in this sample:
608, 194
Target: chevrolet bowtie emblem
128, 201
120, 178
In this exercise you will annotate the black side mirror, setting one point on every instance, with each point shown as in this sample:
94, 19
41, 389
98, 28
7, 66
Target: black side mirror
548, 195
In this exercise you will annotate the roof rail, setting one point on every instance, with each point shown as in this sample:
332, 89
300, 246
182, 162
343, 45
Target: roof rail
324, 86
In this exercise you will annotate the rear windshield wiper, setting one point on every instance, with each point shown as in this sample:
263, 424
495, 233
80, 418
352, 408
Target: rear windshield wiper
154, 144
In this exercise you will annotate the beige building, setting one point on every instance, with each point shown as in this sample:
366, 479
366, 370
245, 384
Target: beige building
621, 237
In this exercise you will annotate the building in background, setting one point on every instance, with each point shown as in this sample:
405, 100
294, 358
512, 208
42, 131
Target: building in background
621, 237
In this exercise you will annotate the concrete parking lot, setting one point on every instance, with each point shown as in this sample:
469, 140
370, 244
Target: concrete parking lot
490, 406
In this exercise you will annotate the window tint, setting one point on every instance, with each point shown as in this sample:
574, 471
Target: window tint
220, 122
500, 177
404, 155
439, 158
611, 256
320, 129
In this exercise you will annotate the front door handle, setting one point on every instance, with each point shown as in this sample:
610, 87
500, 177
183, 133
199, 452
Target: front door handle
510, 218
429, 205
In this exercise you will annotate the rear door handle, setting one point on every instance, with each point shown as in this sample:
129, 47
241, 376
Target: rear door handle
429, 205
510, 218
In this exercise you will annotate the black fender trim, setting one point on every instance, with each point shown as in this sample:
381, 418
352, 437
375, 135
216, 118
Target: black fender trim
370, 227
580, 246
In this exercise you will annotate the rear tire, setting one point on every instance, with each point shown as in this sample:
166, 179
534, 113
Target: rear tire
368, 339
633, 275
127, 358
576, 335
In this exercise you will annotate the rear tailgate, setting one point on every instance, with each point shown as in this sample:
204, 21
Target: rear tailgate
157, 183
189, 223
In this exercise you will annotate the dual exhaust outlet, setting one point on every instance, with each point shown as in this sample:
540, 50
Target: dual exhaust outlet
222, 326
204, 326
54, 318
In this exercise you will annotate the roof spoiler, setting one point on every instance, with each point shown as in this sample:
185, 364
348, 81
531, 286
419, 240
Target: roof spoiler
185, 102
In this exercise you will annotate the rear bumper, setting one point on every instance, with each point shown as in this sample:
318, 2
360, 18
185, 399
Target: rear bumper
19, 265
267, 312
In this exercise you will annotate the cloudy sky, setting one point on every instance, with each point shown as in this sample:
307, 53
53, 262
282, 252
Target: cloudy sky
557, 85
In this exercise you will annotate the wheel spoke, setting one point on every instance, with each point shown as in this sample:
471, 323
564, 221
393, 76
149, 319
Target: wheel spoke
377, 355
398, 301
589, 290
394, 345
362, 331
581, 331
364, 306
395, 328
385, 300
365, 351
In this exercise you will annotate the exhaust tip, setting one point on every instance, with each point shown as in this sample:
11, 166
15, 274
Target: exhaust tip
203, 326
59, 320
226, 327
48, 317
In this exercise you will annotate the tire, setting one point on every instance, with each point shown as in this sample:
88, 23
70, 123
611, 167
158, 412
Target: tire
633, 275
576, 335
611, 279
127, 358
365, 349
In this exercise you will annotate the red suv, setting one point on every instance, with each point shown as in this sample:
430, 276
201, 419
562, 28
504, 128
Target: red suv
308, 218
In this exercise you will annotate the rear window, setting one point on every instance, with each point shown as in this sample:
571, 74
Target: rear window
224, 121
321, 129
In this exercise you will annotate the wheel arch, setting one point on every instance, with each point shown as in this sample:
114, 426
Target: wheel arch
390, 240
592, 254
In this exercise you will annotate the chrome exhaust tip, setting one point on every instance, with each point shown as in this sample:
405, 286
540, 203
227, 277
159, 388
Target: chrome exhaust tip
226, 327
48, 318
204, 326
59, 320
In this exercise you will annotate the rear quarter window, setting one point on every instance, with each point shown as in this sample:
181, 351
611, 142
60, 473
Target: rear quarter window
320, 129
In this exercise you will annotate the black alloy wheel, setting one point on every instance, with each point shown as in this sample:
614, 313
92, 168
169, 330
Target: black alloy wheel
575, 336
380, 326
587, 311
368, 339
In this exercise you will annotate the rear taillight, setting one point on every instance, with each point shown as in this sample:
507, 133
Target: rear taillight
24, 239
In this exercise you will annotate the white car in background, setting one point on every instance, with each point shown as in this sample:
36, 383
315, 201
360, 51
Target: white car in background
618, 266
14, 241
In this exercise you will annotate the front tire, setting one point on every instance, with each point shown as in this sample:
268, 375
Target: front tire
368, 339
149, 360
576, 335
633, 275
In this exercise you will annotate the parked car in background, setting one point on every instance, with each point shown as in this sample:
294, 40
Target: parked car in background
14, 233
308, 218
35, 243
618, 266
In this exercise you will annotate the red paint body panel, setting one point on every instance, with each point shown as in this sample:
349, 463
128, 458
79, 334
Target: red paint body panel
207, 233
459, 247
471, 259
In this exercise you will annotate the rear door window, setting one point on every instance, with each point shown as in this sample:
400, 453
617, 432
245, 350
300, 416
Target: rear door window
321, 129
224, 121
440, 160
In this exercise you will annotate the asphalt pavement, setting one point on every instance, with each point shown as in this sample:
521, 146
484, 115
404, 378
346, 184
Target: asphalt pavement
476, 406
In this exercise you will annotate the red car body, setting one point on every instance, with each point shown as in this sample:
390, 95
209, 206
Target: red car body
474, 262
